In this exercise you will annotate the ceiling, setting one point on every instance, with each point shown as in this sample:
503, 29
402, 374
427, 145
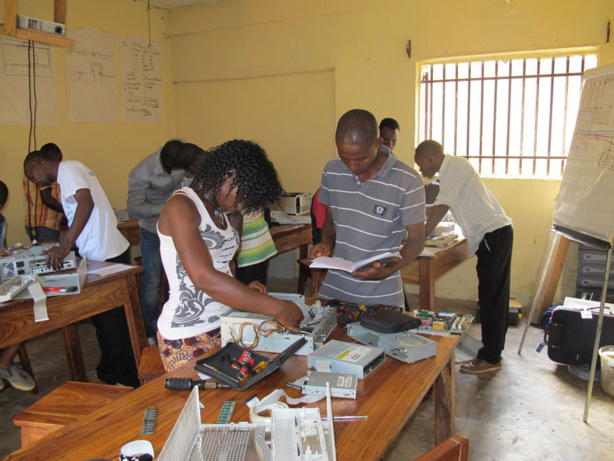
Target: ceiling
170, 4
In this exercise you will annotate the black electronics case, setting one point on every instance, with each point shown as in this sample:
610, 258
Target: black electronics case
227, 363
389, 322
571, 338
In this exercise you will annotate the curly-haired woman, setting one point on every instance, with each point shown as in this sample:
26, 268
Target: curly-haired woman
197, 245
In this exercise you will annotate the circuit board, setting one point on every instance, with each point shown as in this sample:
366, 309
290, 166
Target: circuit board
351, 312
445, 322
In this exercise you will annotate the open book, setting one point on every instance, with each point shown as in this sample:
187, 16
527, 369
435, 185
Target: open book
324, 262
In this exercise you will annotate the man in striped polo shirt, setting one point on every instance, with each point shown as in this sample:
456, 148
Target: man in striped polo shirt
489, 235
372, 200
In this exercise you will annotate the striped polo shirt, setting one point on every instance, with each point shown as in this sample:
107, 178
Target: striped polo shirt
257, 245
370, 218
473, 205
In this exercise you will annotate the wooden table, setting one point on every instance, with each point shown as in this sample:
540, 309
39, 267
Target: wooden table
286, 236
389, 396
98, 294
426, 269
290, 236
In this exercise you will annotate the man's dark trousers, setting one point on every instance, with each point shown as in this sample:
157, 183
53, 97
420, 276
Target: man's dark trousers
493, 268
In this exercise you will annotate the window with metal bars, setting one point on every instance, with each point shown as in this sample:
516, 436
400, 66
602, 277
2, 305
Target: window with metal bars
511, 118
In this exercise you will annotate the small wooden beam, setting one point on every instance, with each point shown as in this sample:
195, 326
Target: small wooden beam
59, 11
10, 17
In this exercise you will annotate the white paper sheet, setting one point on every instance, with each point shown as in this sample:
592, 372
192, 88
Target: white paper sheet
110, 269
141, 80
90, 77
15, 83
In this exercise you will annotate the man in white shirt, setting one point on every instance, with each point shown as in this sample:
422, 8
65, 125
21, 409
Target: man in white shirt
93, 230
489, 235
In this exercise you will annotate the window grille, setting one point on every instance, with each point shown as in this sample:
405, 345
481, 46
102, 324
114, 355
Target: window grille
511, 117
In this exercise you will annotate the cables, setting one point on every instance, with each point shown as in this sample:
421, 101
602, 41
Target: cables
266, 329
32, 93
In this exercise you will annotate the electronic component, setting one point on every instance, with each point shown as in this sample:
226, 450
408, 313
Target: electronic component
222, 364
226, 412
443, 322
299, 434
24, 22
341, 385
13, 286
186, 384
343, 357
350, 312
149, 421
441, 241
404, 345
262, 333
31, 261
293, 203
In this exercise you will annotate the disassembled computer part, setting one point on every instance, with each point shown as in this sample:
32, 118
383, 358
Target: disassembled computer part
293, 435
262, 333
404, 346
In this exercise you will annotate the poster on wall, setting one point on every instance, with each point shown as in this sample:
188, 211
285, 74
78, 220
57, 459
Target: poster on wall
27, 83
90, 77
141, 86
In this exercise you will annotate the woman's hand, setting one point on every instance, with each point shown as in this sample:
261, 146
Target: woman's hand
288, 314
259, 287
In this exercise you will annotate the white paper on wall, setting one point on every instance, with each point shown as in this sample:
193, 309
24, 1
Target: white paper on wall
141, 80
20, 106
90, 77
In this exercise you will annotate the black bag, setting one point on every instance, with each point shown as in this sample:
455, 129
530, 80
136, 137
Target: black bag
571, 338
389, 322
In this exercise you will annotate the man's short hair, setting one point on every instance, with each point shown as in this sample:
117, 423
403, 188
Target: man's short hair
188, 154
38, 154
53, 150
389, 123
430, 148
357, 126
169, 153
4, 195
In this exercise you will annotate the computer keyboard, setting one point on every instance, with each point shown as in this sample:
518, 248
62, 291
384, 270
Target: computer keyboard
12, 287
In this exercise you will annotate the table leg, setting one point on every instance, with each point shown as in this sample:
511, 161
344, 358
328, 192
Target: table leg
303, 253
72, 346
134, 318
445, 402
427, 286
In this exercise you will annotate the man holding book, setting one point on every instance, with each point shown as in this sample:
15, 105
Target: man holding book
372, 200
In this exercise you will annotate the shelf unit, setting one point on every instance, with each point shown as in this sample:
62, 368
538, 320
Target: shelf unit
10, 29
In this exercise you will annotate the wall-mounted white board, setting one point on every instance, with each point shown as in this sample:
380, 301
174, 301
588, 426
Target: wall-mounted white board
585, 205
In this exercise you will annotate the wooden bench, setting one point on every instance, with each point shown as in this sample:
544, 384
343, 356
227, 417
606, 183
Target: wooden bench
151, 366
456, 448
63, 406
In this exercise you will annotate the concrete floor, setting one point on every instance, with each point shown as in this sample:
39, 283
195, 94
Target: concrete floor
531, 410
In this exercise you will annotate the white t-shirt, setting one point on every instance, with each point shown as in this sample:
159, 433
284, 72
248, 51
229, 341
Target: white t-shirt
189, 311
100, 239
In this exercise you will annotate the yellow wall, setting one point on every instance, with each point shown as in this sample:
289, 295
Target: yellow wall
109, 149
281, 72
322, 57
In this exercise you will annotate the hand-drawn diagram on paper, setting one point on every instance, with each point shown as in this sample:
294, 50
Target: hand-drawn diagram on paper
141, 81
90, 77
27, 83
585, 201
